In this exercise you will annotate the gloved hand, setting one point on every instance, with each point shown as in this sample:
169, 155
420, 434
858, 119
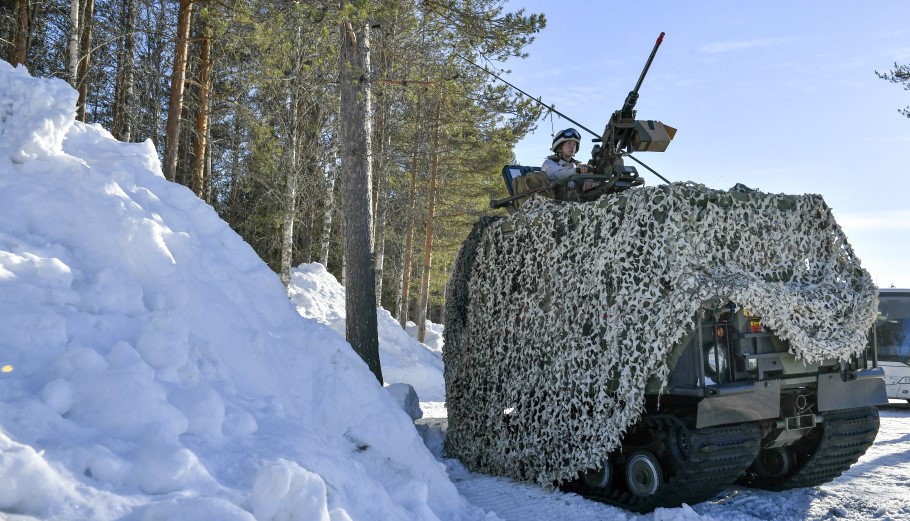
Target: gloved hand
583, 169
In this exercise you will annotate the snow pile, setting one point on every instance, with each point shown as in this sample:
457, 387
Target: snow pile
558, 316
34, 115
153, 365
318, 295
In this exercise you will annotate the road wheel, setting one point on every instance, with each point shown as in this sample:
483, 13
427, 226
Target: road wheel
601, 478
643, 473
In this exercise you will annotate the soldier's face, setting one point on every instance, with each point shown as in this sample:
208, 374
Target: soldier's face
568, 148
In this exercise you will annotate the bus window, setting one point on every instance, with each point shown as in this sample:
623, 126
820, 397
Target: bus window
892, 331
893, 326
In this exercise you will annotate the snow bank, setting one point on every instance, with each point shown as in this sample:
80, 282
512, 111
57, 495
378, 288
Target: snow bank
319, 296
158, 369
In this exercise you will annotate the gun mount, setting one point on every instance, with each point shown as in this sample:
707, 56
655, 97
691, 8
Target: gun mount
623, 135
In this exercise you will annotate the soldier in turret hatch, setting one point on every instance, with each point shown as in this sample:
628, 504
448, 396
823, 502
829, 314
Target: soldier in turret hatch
561, 165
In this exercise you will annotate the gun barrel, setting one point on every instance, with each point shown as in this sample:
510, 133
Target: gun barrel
632, 98
641, 78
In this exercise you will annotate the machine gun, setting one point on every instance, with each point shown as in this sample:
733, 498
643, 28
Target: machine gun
623, 135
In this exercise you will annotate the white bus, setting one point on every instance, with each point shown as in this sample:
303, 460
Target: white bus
892, 334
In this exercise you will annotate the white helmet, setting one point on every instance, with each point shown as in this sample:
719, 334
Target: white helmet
569, 134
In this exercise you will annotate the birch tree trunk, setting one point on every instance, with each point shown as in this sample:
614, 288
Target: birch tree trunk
329, 212
202, 116
360, 301
381, 174
178, 79
428, 243
290, 189
72, 66
379, 247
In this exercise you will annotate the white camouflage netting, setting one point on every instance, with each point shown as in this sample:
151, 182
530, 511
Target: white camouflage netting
545, 308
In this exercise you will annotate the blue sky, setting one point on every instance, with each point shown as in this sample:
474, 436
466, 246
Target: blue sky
779, 96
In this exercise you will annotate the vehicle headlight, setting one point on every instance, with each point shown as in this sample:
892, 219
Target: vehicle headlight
716, 361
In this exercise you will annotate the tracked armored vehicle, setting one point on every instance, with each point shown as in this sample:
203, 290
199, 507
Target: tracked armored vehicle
651, 346
656, 346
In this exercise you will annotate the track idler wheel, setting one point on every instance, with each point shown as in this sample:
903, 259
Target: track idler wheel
824, 453
774, 463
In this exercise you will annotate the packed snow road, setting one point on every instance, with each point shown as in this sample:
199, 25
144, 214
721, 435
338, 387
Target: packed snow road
875, 488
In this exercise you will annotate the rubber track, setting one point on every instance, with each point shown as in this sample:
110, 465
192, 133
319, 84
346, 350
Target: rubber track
845, 437
716, 458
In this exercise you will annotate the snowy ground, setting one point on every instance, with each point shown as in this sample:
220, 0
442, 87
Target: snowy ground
877, 487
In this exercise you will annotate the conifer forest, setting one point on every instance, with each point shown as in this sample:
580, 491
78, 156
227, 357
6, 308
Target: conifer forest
251, 105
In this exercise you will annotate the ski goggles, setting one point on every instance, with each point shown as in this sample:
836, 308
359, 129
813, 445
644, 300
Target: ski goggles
570, 133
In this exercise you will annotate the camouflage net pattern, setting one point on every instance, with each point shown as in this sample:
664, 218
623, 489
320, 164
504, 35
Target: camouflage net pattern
557, 316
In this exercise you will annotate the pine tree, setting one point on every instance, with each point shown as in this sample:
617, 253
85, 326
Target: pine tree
900, 74
355, 146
